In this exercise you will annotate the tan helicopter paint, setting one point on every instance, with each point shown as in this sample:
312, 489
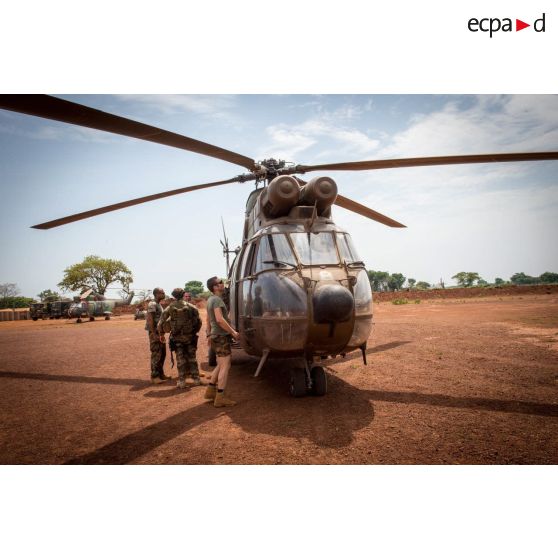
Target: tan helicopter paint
283, 333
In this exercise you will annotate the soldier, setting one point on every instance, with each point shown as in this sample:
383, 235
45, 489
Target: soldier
185, 323
158, 348
219, 331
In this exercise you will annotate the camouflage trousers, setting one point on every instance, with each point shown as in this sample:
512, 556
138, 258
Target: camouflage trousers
186, 361
158, 354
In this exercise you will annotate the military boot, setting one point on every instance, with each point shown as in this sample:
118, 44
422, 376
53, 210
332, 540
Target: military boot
156, 380
210, 392
222, 401
181, 383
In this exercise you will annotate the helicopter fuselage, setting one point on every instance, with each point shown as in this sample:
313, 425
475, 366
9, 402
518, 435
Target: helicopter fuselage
297, 287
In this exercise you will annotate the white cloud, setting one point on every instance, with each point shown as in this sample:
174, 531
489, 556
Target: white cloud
491, 124
220, 107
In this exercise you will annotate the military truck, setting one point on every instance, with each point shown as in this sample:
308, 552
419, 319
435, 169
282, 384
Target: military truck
53, 310
38, 311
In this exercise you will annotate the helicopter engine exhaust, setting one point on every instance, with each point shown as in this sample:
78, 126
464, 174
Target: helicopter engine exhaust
321, 191
280, 196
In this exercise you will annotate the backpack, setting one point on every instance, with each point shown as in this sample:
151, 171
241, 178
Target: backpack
184, 319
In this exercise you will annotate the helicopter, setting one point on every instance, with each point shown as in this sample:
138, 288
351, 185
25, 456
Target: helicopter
91, 305
298, 290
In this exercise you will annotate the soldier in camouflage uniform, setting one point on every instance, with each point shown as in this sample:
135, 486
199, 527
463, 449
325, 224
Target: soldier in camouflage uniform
185, 323
158, 349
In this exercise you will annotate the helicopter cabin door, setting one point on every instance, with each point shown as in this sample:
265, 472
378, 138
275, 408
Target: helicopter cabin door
242, 295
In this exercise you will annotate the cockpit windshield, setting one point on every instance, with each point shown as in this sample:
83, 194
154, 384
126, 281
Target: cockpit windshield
315, 248
274, 252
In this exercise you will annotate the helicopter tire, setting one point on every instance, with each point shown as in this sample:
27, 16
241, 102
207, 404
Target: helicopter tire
35, 319
211, 357
319, 381
107, 317
297, 386
78, 321
91, 319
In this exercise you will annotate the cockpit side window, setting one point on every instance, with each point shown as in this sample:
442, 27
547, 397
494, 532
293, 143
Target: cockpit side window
247, 271
346, 248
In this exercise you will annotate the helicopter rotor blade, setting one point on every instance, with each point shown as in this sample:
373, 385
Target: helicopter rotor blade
430, 161
53, 108
352, 205
128, 203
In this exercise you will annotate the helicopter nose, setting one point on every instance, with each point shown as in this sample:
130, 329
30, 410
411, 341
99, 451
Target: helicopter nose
332, 303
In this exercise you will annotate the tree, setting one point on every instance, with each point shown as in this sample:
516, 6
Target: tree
423, 285
48, 296
395, 281
481, 282
97, 273
8, 290
411, 283
195, 288
466, 278
378, 280
549, 277
499, 281
522, 279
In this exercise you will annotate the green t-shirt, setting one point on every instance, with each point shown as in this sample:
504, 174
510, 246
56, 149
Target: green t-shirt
213, 302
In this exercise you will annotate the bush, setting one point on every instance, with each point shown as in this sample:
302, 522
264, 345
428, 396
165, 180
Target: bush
400, 301
16, 302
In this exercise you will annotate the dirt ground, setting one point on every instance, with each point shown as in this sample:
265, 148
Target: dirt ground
447, 381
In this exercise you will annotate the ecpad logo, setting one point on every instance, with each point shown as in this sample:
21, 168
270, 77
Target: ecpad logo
493, 25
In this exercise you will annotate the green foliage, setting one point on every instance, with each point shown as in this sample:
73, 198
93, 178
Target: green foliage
417, 301
522, 279
400, 301
378, 280
395, 281
423, 285
15, 302
499, 281
96, 272
467, 278
411, 283
195, 288
549, 277
382, 281
48, 296
482, 283
205, 295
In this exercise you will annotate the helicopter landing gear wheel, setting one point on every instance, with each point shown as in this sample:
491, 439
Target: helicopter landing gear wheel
91, 319
319, 380
78, 321
297, 386
107, 317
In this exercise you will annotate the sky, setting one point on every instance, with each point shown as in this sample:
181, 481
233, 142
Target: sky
495, 219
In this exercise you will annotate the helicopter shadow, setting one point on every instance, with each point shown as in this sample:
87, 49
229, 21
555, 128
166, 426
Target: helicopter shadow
370, 351
267, 408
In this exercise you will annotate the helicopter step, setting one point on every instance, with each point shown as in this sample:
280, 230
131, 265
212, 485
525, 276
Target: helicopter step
311, 379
